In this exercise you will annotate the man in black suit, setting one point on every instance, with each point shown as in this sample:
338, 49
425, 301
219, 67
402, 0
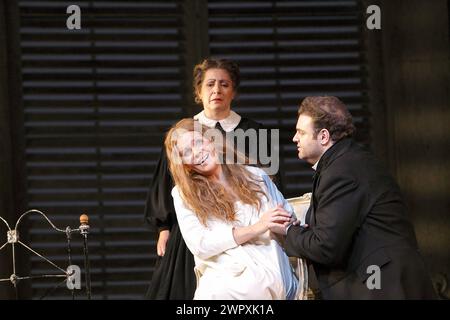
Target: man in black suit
358, 237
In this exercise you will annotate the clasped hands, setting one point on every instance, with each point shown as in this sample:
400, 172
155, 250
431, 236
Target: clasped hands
277, 220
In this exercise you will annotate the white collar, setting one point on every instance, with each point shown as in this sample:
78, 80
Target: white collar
228, 124
315, 165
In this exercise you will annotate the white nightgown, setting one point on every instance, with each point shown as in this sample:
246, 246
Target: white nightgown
226, 270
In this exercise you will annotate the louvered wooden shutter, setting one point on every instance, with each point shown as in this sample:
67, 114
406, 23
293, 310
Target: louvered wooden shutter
288, 50
96, 103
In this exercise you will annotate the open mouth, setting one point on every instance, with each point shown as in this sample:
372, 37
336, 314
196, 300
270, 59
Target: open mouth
202, 160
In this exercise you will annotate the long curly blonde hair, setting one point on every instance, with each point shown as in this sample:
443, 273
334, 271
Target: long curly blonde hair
203, 195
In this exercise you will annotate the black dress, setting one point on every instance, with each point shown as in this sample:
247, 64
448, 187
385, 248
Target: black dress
173, 277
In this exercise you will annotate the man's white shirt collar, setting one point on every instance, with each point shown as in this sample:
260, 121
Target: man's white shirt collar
228, 124
315, 165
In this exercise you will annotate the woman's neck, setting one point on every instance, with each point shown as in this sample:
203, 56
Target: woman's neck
217, 114
224, 182
218, 175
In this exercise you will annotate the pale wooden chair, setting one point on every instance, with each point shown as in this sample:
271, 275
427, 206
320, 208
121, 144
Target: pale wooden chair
301, 205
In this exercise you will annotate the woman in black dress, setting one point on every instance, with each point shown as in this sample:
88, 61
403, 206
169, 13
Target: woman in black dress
215, 86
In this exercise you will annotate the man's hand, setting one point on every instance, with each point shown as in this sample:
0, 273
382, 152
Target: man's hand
282, 228
162, 242
273, 218
279, 228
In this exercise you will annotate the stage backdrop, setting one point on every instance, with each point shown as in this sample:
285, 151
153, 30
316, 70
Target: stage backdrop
91, 107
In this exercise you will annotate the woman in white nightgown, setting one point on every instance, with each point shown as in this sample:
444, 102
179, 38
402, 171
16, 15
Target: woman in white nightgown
225, 213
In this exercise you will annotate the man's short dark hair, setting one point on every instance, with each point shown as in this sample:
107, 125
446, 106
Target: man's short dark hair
329, 113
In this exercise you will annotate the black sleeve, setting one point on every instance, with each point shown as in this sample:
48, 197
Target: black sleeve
159, 210
340, 200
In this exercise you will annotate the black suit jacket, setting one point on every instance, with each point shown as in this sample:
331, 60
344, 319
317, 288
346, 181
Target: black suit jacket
357, 218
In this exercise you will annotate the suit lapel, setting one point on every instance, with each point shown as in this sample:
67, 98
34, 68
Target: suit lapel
334, 152
313, 204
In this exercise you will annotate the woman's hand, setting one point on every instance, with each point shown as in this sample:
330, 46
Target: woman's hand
274, 218
269, 219
162, 242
